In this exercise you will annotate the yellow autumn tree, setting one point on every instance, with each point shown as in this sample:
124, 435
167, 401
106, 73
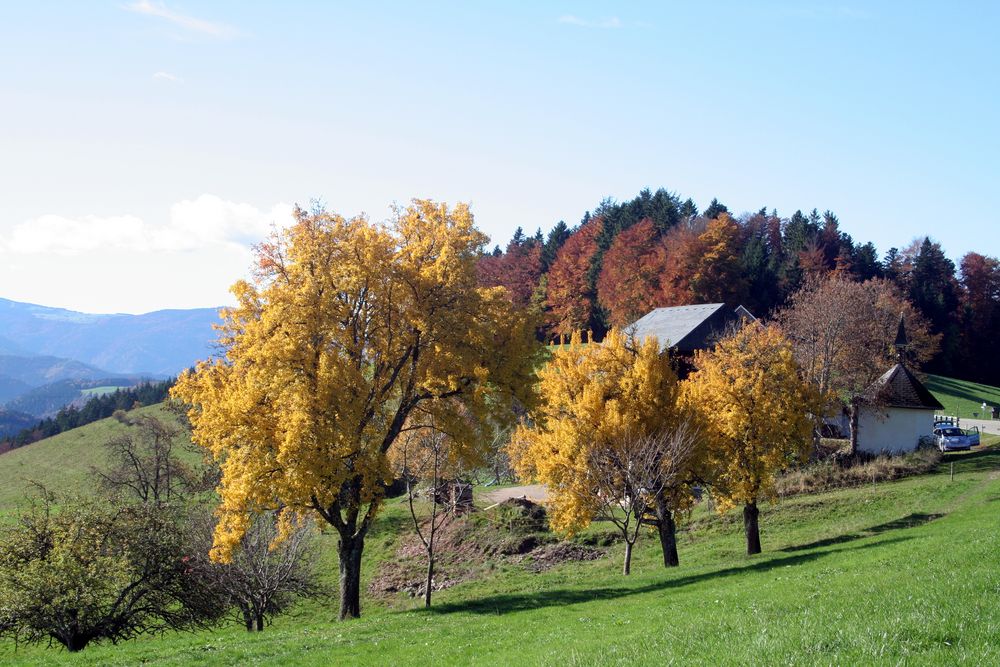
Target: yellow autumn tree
757, 412
608, 428
346, 331
717, 274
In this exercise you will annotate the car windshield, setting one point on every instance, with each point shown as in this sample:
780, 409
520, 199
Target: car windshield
951, 431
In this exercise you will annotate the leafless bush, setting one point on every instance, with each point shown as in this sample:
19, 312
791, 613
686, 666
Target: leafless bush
633, 475
265, 577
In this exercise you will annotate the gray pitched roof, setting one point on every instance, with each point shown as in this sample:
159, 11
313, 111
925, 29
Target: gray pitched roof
899, 388
687, 328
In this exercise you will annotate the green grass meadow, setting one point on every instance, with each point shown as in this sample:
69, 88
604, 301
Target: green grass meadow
101, 391
961, 398
63, 462
906, 572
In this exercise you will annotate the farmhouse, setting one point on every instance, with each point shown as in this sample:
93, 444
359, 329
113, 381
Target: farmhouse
685, 329
897, 409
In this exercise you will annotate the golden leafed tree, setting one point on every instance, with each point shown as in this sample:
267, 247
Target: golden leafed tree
717, 274
603, 432
757, 413
346, 331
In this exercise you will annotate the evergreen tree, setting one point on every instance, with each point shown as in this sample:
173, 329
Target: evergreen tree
688, 209
519, 237
892, 267
866, 265
557, 236
934, 291
715, 209
759, 267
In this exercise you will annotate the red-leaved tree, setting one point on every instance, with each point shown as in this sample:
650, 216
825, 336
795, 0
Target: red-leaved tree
629, 282
569, 297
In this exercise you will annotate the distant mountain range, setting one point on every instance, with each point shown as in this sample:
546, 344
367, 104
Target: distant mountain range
51, 357
160, 343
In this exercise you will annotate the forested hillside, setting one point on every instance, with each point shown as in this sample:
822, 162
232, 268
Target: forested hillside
624, 259
18, 429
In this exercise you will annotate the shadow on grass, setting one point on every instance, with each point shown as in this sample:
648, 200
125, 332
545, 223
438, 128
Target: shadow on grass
908, 521
969, 391
513, 602
390, 524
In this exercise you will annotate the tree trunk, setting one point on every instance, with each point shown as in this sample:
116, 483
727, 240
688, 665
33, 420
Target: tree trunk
350, 549
430, 580
247, 618
750, 514
73, 639
75, 643
627, 568
260, 622
668, 536
854, 417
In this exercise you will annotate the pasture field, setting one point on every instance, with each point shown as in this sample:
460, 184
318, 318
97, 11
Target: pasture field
63, 462
961, 398
905, 572
101, 391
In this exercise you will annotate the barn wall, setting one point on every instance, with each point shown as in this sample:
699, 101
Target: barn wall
893, 429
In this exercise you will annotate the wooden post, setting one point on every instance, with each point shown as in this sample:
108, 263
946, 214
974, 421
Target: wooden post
952, 471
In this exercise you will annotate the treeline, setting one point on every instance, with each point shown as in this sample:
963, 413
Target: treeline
655, 250
98, 407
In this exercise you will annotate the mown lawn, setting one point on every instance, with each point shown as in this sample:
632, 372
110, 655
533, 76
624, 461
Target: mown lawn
961, 398
899, 573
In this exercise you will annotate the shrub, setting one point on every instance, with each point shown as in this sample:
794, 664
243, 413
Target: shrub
95, 571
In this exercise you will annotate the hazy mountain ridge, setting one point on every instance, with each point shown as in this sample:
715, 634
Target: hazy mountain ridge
25, 376
35, 371
12, 422
160, 343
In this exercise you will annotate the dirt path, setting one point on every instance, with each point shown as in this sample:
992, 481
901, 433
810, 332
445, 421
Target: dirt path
534, 492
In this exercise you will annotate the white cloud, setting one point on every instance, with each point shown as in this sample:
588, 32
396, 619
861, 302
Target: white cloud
198, 224
608, 23
190, 23
68, 236
167, 76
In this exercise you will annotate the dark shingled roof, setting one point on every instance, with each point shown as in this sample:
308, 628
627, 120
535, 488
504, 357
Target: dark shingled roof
899, 388
687, 328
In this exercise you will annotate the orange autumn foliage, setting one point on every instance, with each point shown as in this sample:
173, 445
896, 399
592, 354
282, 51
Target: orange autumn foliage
569, 298
630, 274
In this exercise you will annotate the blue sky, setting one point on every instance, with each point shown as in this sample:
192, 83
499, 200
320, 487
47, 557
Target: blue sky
159, 139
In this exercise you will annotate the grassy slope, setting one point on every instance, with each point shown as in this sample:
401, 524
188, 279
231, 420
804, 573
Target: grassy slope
961, 398
62, 462
902, 572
